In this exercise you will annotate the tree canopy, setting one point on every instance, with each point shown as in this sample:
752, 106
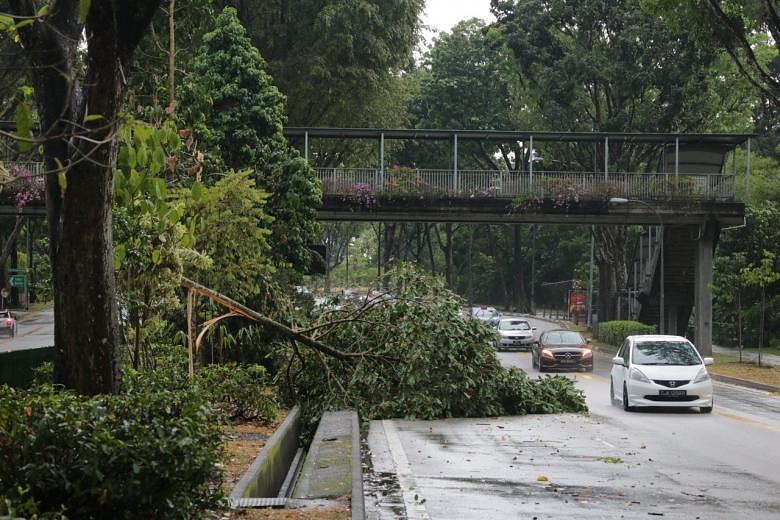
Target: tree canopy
238, 114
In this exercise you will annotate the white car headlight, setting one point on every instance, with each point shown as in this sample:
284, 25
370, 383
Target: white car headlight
701, 376
637, 375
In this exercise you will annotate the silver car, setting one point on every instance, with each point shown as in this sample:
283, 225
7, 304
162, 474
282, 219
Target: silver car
515, 333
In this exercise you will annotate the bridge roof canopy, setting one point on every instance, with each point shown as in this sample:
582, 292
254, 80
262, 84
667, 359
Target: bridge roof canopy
513, 135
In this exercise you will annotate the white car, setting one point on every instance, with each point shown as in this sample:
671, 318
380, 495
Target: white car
7, 323
487, 314
653, 370
515, 333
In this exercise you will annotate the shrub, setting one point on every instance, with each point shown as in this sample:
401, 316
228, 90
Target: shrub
238, 391
422, 359
150, 452
615, 332
43, 374
233, 391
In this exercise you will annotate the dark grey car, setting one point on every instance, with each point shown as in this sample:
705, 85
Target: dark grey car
562, 349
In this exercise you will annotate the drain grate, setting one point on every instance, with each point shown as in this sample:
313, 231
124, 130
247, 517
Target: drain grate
283, 502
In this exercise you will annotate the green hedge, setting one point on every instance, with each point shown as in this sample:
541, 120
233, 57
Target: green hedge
17, 366
614, 332
141, 454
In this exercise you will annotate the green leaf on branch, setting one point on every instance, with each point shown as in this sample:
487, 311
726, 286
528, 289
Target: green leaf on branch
24, 123
61, 179
197, 192
23, 23
120, 251
84, 10
6, 23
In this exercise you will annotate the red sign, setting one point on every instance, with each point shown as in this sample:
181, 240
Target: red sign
577, 302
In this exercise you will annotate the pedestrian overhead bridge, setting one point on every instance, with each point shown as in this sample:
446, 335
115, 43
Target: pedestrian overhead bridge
683, 187
684, 177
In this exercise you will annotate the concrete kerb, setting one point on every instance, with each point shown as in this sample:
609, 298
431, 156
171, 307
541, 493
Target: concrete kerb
358, 500
745, 382
333, 465
269, 469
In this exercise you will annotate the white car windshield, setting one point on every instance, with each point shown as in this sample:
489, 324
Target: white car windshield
665, 353
514, 325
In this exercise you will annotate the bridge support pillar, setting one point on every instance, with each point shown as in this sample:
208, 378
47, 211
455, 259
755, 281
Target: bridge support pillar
703, 289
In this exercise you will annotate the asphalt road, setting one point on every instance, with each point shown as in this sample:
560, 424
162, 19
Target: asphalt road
607, 464
34, 330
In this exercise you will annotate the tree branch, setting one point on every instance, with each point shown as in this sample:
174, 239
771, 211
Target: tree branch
267, 322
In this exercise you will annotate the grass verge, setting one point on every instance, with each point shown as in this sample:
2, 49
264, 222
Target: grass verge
728, 365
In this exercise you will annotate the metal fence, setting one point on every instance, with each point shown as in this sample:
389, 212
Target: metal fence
555, 185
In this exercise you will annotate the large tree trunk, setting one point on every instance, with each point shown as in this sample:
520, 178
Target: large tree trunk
613, 275
78, 197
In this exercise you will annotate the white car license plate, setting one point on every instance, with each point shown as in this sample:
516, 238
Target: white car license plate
673, 392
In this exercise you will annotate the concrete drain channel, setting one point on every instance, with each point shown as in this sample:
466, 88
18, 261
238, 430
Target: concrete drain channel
282, 476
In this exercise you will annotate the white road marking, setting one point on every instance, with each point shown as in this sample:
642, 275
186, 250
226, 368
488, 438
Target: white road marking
605, 443
413, 501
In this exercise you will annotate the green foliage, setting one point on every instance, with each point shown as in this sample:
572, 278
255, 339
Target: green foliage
238, 115
762, 274
614, 332
420, 359
737, 251
24, 120
468, 82
231, 227
43, 374
336, 60
742, 27
608, 66
238, 391
143, 453
152, 244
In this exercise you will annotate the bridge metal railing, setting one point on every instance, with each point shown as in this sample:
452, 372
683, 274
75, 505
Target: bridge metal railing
569, 186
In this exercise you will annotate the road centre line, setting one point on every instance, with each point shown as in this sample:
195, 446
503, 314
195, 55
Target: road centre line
415, 508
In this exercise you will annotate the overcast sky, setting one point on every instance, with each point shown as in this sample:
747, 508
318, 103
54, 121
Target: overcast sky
441, 15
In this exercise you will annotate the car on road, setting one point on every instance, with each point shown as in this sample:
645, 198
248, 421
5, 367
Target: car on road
514, 333
486, 314
562, 349
7, 323
658, 370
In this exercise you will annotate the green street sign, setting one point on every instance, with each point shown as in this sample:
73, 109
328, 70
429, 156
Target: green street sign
17, 270
17, 280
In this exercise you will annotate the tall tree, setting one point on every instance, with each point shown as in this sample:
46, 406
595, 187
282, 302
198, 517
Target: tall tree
748, 30
80, 54
334, 59
606, 66
239, 114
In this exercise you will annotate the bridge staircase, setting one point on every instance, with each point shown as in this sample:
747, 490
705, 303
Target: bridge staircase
679, 277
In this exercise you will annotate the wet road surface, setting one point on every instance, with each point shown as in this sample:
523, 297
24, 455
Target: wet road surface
607, 464
32, 331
